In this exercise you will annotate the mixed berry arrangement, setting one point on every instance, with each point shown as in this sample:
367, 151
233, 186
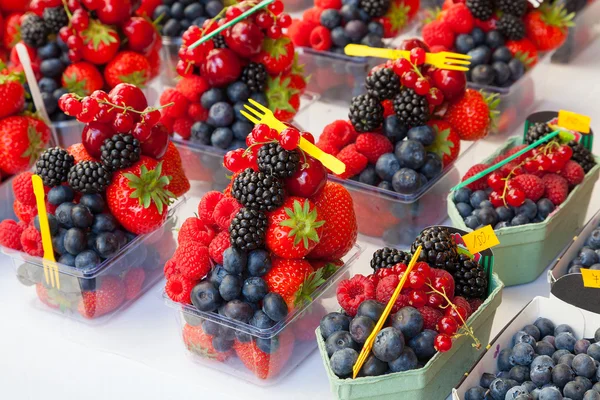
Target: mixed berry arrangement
333, 24
503, 37
545, 361
529, 188
253, 59
589, 255
258, 250
177, 16
443, 290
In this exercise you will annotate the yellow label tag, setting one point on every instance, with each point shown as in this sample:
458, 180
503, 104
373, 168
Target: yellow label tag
574, 121
591, 278
481, 239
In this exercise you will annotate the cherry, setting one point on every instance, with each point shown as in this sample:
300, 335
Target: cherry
156, 145
80, 20
435, 300
435, 96
308, 136
141, 35
114, 12
422, 87
410, 44
123, 123
308, 179
566, 152
496, 199
409, 79
417, 56
452, 83
442, 343
93, 135
459, 313
399, 268
264, 20
496, 181
126, 94
447, 325
416, 280
245, 38
417, 298
142, 131
515, 197
234, 160
284, 20
274, 31
289, 139
92, 4
276, 7
222, 66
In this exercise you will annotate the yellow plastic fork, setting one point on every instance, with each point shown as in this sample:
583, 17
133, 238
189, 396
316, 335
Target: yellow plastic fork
442, 60
265, 116
49, 262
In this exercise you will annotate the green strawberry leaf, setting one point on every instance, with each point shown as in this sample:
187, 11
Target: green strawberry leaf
136, 78
36, 144
398, 15
441, 144
98, 33
75, 85
277, 48
279, 94
149, 187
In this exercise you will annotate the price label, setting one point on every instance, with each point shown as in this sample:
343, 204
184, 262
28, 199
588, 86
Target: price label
591, 278
574, 121
481, 239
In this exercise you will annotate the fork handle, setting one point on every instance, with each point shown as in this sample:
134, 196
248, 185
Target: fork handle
360, 50
329, 161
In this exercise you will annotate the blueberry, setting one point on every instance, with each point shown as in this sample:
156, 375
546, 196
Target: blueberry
483, 74
343, 361
213, 8
478, 36
372, 40
238, 91
234, 260
87, 260
549, 393
486, 203
389, 344
594, 242
75, 241
581, 346
48, 85
407, 361
501, 72
373, 367
462, 195
193, 11
486, 379
477, 197
393, 129
162, 9
432, 167
240, 130
594, 351
517, 69
464, 43
274, 306
563, 328
574, 390
220, 114
254, 289
58, 241
464, 209
177, 10
544, 348
488, 216
355, 30
171, 28
588, 257
565, 341
94, 202
545, 326
222, 138
49, 102
566, 359
480, 55
63, 214
406, 181
331, 18
501, 225
591, 395
211, 97
260, 320
58, 93
562, 374
349, 13
411, 154
104, 223
340, 340
523, 337
81, 216
528, 208
68, 259
472, 222
522, 354
558, 354
387, 165
422, 344
519, 373
360, 328
268, 346
52, 68
519, 220
107, 244
201, 132
238, 310
505, 213
376, 28
499, 387
503, 361
339, 37
502, 54
231, 287
369, 176
541, 375
52, 222
515, 391
584, 365
586, 382
49, 50
475, 393
385, 185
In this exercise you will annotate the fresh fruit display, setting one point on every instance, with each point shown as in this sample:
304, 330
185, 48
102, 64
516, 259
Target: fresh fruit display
176, 17
503, 38
253, 59
258, 251
85, 46
544, 361
332, 24
589, 254
100, 195
529, 188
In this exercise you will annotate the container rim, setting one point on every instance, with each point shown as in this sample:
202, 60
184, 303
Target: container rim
189, 309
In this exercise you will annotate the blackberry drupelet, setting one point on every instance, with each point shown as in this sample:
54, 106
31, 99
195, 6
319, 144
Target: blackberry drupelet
513, 28
53, 166
275, 160
366, 113
410, 108
582, 156
257, 190
470, 279
537, 131
481, 9
219, 42
120, 151
512, 7
383, 84
439, 248
247, 229
375, 8
388, 257
55, 18
89, 177
255, 76
34, 31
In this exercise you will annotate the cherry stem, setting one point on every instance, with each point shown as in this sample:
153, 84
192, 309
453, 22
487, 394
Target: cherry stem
126, 108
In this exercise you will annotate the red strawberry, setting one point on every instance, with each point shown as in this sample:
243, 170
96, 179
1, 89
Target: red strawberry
106, 298
479, 184
263, 365
373, 146
355, 162
44, 296
459, 18
573, 173
12, 94
471, 115
82, 78
431, 316
173, 168
127, 67
200, 343
134, 281
101, 43
277, 55
79, 153
287, 278
398, 16
284, 100
22, 140
438, 33
524, 50
446, 143
12, 30
547, 27
531, 185
557, 188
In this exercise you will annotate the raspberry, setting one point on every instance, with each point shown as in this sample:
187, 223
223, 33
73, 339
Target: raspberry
352, 292
23, 188
460, 301
192, 87
134, 281
475, 304
328, 147
219, 244
207, 206
197, 113
179, 289
388, 108
373, 146
479, 184
459, 18
431, 316
194, 230
224, 212
320, 38
10, 234
355, 162
79, 153
179, 106
557, 188
24, 212
299, 31
510, 152
325, 4
31, 240
385, 290
170, 268
183, 127
531, 185
339, 133
193, 260
438, 33
573, 173
313, 15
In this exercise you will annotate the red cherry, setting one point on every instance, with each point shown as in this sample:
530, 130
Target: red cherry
264, 19
222, 66
141, 35
276, 7
442, 343
234, 160
457, 313
447, 325
92, 4
496, 181
289, 139
416, 280
274, 31
245, 38
452, 83
435, 96
515, 197
129, 95
156, 145
93, 135
151, 118
114, 12
308, 136
435, 300
417, 298
284, 20
308, 179
409, 79
401, 65
73, 5
123, 123
417, 56
496, 199
80, 20
399, 268
566, 152
141, 131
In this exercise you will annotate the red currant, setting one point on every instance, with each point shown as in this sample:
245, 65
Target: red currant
515, 197
531, 165
70, 105
232, 13
151, 118
417, 56
198, 54
92, 4
274, 32
556, 162
308, 136
496, 199
234, 160
289, 139
142, 131
566, 152
443, 284
123, 123
435, 300
416, 280
545, 163
496, 181
447, 325
417, 298
409, 79
64, 33
384, 272
263, 133
80, 20
422, 86
264, 20
423, 268
74, 42
401, 66
399, 268
276, 7
284, 20
435, 96
442, 343
192, 35
184, 69
89, 109
73, 5
458, 313
374, 279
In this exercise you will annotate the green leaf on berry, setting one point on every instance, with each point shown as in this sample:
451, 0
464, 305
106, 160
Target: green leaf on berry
441, 144
98, 33
149, 187
136, 78
36, 145
303, 223
309, 286
276, 48
398, 15
279, 94
76, 85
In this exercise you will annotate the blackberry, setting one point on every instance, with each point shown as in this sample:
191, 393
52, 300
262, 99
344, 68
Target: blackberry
255, 76
219, 42
258, 190
120, 151
34, 31
366, 113
513, 28
55, 18
275, 160
439, 248
537, 131
481, 9
512, 7
410, 108
53, 166
375, 8
247, 229
388, 257
582, 156
383, 84
470, 279
89, 177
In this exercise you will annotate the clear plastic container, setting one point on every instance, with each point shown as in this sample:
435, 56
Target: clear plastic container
296, 334
169, 57
292, 6
581, 35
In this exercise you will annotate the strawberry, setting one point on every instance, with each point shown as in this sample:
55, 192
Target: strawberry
101, 43
446, 143
44, 296
524, 50
154, 61
134, 281
472, 115
335, 206
106, 298
22, 140
265, 365
12, 94
8, 6
137, 196
82, 78
459, 18
438, 33
277, 55
287, 278
79, 153
12, 30
479, 184
127, 67
398, 16
293, 229
547, 27
173, 168
284, 100
200, 343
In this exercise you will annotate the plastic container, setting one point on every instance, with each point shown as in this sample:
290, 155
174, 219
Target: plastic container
296, 333
581, 35
525, 251
291, 6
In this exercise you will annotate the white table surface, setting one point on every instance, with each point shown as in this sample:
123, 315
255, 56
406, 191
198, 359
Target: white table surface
139, 354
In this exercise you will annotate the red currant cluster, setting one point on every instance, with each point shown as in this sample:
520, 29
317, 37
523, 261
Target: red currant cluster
79, 21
